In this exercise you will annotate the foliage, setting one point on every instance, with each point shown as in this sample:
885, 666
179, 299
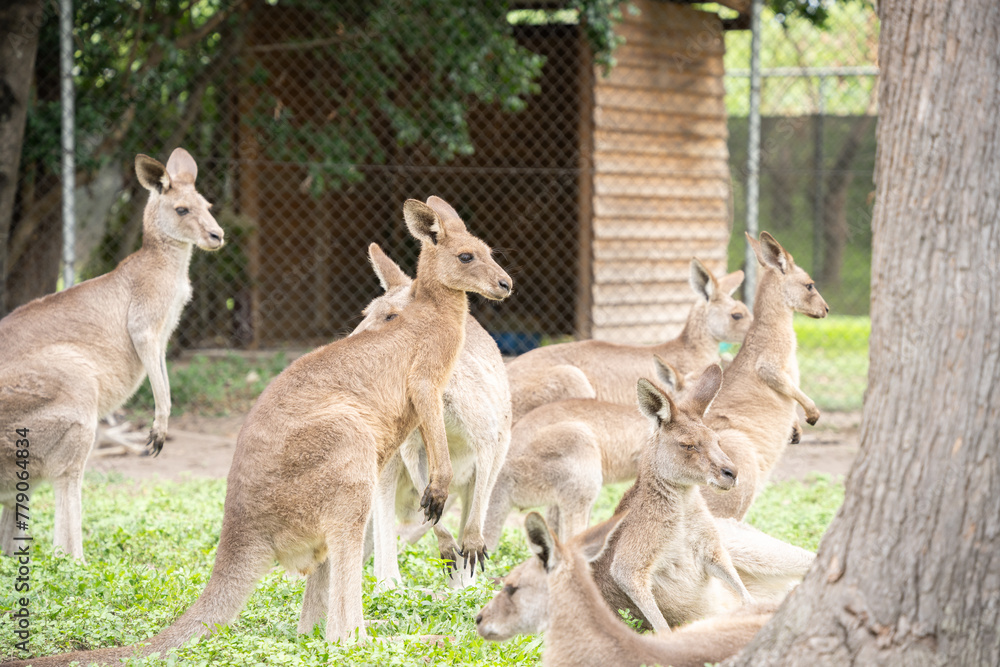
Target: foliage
150, 549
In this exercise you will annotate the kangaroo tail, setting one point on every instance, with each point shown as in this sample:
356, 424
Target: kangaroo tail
239, 564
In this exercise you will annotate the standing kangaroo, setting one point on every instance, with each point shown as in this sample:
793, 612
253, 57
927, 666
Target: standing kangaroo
68, 359
612, 369
582, 631
562, 453
666, 560
477, 420
309, 454
755, 410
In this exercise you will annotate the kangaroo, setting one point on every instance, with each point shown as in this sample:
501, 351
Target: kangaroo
612, 369
562, 453
477, 420
309, 454
666, 559
581, 629
68, 359
755, 410
768, 567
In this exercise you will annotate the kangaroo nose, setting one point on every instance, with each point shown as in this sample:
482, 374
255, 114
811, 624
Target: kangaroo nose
479, 619
215, 237
505, 285
729, 474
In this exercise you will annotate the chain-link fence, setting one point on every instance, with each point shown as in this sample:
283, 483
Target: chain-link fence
312, 122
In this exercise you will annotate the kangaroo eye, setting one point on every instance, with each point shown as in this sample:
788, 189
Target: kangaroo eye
811, 286
391, 316
181, 211
737, 316
690, 448
509, 590
466, 257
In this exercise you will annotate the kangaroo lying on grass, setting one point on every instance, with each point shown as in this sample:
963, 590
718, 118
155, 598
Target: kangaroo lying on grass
68, 359
477, 421
309, 454
665, 561
612, 369
755, 410
581, 629
562, 453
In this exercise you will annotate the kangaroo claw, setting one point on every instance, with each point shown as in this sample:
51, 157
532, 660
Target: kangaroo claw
155, 444
433, 505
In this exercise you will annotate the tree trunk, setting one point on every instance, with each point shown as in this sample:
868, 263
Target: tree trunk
909, 571
19, 44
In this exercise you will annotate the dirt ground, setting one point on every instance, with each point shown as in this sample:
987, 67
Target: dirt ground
204, 446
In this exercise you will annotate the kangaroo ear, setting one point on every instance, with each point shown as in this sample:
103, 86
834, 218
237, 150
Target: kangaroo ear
772, 254
705, 391
388, 272
702, 282
424, 224
594, 540
541, 540
181, 162
731, 282
666, 373
654, 403
152, 174
446, 212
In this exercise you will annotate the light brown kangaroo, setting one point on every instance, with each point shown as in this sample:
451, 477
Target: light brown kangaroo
562, 453
583, 631
666, 561
68, 359
477, 420
613, 369
309, 454
755, 410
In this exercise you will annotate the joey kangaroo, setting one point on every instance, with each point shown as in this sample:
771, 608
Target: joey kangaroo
562, 453
581, 629
755, 410
666, 560
309, 454
477, 421
69, 358
612, 369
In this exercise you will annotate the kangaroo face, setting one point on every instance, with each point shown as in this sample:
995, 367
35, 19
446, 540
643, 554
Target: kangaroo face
182, 213
801, 294
683, 450
462, 262
728, 320
797, 288
185, 216
521, 606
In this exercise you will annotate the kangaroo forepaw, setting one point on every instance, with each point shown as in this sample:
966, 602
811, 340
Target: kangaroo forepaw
474, 552
433, 504
796, 434
812, 418
155, 443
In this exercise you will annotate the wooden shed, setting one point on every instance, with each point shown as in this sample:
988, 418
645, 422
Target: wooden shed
598, 194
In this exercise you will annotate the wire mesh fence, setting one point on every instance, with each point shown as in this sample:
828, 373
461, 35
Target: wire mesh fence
312, 122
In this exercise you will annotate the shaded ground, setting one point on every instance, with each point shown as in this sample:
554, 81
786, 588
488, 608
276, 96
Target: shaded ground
204, 446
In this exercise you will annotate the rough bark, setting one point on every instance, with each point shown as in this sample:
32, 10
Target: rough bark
18, 46
909, 571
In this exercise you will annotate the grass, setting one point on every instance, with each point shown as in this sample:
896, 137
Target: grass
150, 548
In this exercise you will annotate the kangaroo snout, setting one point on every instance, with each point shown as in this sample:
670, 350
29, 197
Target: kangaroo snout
726, 477
213, 239
501, 289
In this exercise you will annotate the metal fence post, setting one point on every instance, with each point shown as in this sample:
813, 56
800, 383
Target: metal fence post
753, 154
66, 49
